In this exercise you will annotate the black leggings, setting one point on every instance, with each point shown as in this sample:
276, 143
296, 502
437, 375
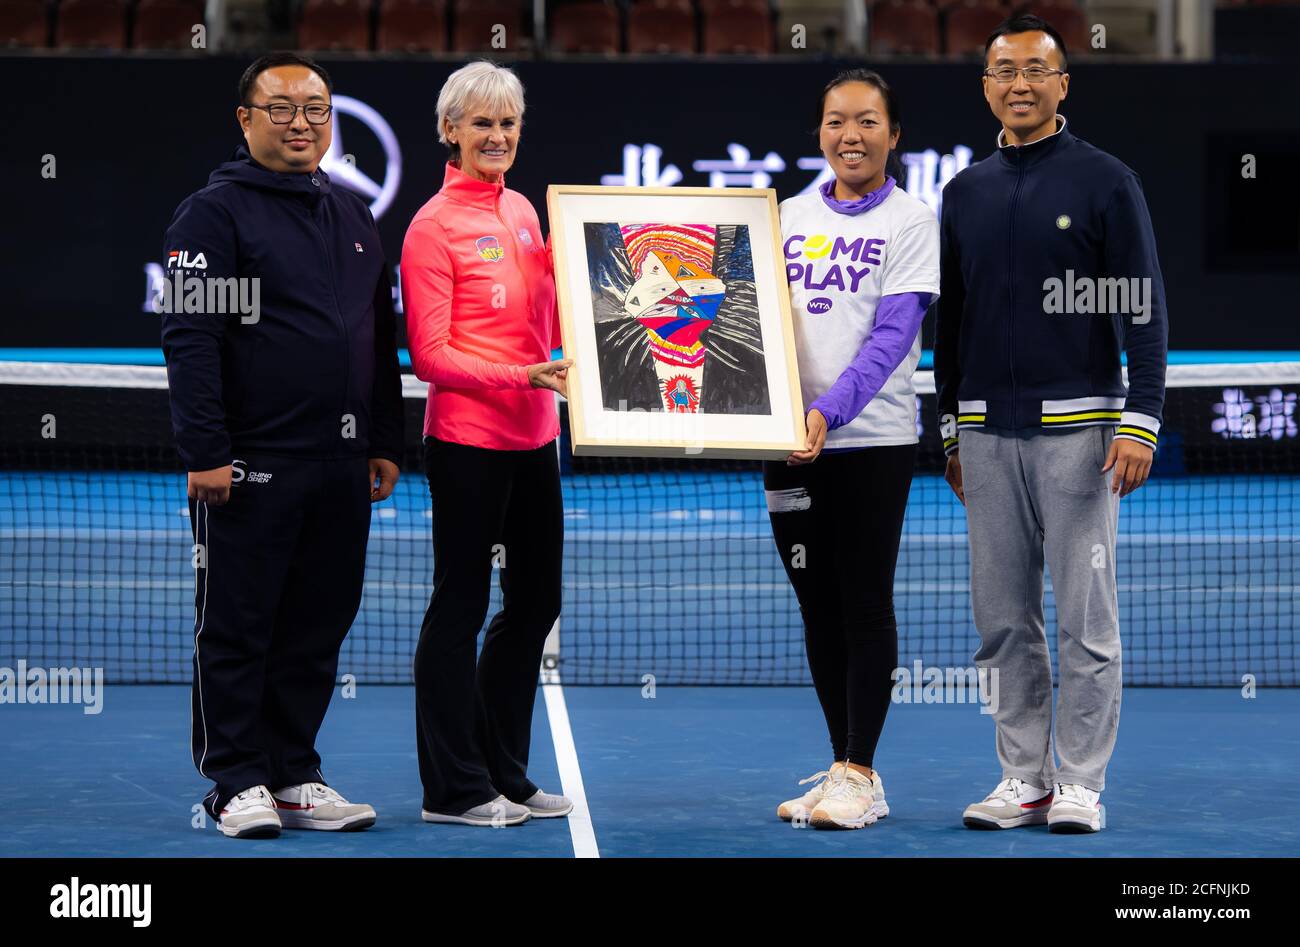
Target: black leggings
491, 509
837, 524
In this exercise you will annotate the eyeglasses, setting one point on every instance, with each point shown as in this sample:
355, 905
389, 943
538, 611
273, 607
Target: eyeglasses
282, 113
1034, 74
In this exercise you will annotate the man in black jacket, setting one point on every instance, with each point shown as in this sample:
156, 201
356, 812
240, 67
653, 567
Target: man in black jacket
280, 339
1049, 271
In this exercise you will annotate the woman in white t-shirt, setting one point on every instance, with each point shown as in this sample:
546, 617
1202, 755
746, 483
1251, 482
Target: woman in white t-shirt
862, 260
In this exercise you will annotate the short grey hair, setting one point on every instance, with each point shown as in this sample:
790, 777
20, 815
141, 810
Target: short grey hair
481, 83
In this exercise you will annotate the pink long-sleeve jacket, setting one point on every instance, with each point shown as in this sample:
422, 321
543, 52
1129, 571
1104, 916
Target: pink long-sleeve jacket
479, 294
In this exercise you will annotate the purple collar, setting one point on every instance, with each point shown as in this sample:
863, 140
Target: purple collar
860, 205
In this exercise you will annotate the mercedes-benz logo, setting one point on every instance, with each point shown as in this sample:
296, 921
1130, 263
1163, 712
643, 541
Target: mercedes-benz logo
348, 174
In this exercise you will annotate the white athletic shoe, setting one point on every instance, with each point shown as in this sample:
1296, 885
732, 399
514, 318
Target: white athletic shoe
849, 803
803, 806
545, 805
250, 814
498, 813
1076, 809
317, 806
878, 804
1013, 803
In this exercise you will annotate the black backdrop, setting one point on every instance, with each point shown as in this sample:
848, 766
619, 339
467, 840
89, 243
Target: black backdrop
131, 137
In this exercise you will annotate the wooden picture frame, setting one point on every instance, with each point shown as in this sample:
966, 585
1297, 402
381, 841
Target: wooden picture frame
675, 309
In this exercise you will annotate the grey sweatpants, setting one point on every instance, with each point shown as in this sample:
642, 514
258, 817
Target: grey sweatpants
1030, 497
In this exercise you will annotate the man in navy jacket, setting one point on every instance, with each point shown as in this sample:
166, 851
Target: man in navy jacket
1049, 272
280, 340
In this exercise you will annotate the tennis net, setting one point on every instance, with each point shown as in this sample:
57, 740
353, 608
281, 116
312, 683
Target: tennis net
670, 568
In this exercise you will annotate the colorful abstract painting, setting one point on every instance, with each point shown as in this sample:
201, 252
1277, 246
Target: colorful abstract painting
676, 318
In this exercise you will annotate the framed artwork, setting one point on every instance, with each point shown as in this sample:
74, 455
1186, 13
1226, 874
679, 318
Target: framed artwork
675, 309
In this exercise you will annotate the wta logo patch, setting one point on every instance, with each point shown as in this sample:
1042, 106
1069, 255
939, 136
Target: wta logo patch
819, 305
490, 249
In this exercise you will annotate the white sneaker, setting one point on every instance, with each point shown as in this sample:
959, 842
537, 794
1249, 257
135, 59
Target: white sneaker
545, 805
1013, 803
498, 813
1076, 809
849, 803
878, 804
250, 814
317, 806
803, 806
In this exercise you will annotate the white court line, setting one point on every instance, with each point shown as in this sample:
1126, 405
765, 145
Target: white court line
566, 756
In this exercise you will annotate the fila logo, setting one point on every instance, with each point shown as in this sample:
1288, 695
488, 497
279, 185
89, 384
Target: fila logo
360, 249
182, 260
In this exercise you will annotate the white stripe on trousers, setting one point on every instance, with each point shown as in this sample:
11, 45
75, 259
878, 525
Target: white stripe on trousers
200, 618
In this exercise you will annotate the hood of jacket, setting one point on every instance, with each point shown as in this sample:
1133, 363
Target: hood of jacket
242, 169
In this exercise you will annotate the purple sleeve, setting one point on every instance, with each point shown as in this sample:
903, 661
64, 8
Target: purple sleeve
898, 320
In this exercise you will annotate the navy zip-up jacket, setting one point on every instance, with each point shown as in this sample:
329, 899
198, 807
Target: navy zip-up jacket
1029, 234
316, 375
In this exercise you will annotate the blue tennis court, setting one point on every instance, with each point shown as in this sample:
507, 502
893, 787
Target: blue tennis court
693, 772
677, 708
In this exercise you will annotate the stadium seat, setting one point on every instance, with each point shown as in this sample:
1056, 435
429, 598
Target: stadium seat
737, 26
822, 25
246, 25
412, 26
91, 24
23, 23
474, 25
904, 26
967, 26
585, 26
1067, 18
166, 24
661, 26
334, 24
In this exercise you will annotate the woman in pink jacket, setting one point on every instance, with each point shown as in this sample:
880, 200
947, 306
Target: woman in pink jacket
481, 321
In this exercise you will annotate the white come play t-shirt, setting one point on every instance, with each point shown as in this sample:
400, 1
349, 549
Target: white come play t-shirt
838, 267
